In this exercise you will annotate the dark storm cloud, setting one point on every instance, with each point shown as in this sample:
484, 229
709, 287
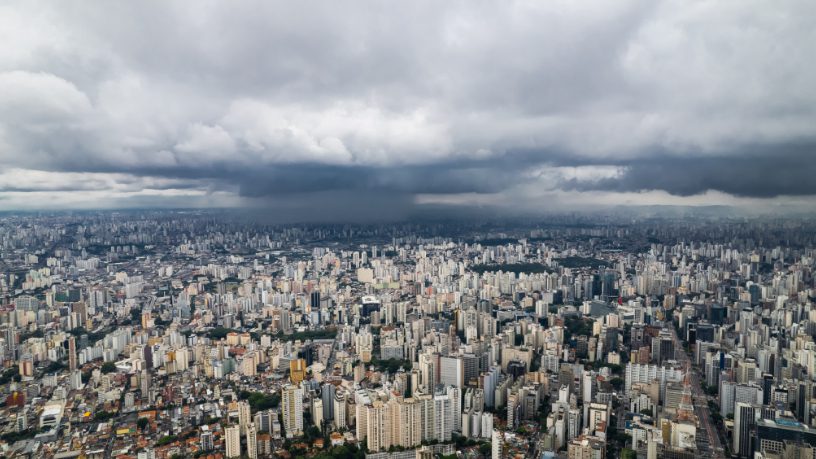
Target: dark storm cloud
443, 179
759, 172
318, 103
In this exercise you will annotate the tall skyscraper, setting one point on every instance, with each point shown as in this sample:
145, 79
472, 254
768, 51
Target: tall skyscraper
455, 395
144, 383
327, 393
378, 426
783, 434
339, 409
452, 371
406, 422
292, 410
662, 347
232, 440
496, 441
297, 370
263, 421
252, 441
244, 416
314, 301
745, 415
317, 412
443, 417
72, 353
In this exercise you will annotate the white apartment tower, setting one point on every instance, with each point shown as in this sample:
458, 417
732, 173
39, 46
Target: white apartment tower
232, 439
292, 410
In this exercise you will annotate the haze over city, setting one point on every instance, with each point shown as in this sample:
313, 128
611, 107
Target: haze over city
378, 109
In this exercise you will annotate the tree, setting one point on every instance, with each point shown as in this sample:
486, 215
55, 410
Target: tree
108, 367
166, 440
12, 373
220, 333
311, 432
259, 401
102, 416
391, 365
55, 367
142, 423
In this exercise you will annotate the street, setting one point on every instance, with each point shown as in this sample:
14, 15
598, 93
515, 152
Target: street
708, 439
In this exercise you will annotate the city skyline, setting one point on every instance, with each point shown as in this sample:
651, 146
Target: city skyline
173, 334
371, 111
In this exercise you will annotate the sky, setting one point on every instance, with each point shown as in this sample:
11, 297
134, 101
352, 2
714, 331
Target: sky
355, 110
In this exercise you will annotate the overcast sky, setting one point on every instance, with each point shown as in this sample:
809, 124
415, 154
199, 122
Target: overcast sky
327, 108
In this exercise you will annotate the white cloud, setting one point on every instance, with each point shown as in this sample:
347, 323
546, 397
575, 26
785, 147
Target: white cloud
207, 140
30, 99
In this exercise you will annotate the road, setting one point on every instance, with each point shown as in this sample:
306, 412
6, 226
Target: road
330, 361
708, 438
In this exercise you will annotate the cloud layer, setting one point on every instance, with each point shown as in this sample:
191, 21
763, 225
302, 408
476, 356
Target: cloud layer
389, 105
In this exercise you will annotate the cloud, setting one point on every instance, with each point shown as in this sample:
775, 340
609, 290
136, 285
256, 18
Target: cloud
212, 140
776, 170
23, 180
497, 102
36, 99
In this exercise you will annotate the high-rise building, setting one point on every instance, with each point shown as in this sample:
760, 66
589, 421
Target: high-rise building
72, 353
327, 393
263, 421
470, 363
428, 367
513, 410
144, 383
767, 383
292, 410
244, 416
496, 440
598, 413
339, 404
264, 445
252, 441
206, 439
474, 399
378, 426
745, 417
662, 347
451, 371
732, 393
455, 395
232, 441
637, 373
488, 381
317, 412
443, 417
297, 371
783, 434
426, 404
314, 301
586, 448
406, 422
